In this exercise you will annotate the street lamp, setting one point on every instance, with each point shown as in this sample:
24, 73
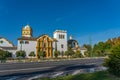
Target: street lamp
21, 42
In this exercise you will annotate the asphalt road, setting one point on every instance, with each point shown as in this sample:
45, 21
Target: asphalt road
13, 69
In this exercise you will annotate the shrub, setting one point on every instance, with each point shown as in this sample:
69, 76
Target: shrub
2, 56
78, 54
21, 54
32, 54
41, 54
113, 61
56, 53
5, 54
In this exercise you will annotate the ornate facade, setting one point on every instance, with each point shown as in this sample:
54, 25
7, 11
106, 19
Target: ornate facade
45, 44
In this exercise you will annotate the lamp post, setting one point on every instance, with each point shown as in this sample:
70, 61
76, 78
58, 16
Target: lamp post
62, 49
21, 42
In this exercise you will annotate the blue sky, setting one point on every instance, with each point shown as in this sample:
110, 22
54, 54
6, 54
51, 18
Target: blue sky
98, 19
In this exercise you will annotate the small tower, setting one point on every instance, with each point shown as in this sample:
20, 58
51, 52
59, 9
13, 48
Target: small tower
71, 37
61, 37
27, 31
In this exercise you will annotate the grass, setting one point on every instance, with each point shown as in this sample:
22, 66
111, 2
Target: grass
101, 75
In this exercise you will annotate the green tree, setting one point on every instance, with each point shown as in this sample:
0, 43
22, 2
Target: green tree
113, 61
78, 54
56, 53
89, 50
32, 54
21, 54
101, 48
2, 56
69, 52
7, 54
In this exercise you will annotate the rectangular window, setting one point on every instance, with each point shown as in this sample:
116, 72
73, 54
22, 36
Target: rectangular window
26, 42
63, 36
21, 42
62, 46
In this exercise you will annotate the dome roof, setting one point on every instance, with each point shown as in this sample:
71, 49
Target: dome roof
72, 41
27, 27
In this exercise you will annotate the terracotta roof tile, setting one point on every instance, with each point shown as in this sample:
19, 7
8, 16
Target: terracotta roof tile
28, 38
9, 48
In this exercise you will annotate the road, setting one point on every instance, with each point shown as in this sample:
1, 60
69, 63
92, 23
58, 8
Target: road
14, 69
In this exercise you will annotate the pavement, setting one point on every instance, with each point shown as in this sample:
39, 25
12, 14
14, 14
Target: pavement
29, 69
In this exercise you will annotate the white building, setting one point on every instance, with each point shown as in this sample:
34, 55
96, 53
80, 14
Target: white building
7, 46
61, 37
27, 43
44, 43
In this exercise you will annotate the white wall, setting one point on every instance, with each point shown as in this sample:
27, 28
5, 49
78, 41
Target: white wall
5, 43
83, 52
61, 41
13, 53
27, 47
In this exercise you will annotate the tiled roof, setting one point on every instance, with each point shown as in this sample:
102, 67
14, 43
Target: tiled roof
9, 48
48, 36
28, 38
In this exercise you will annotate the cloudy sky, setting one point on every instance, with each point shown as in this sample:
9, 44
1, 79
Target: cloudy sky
84, 19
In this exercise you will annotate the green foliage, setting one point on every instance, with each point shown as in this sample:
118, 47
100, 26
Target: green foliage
77, 54
100, 48
32, 54
5, 54
102, 75
56, 53
21, 54
103, 48
113, 61
89, 50
69, 52
41, 54
2, 56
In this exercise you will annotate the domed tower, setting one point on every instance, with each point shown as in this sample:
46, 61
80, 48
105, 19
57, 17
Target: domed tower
73, 44
71, 37
27, 31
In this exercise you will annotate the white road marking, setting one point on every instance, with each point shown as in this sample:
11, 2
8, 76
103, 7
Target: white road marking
57, 74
